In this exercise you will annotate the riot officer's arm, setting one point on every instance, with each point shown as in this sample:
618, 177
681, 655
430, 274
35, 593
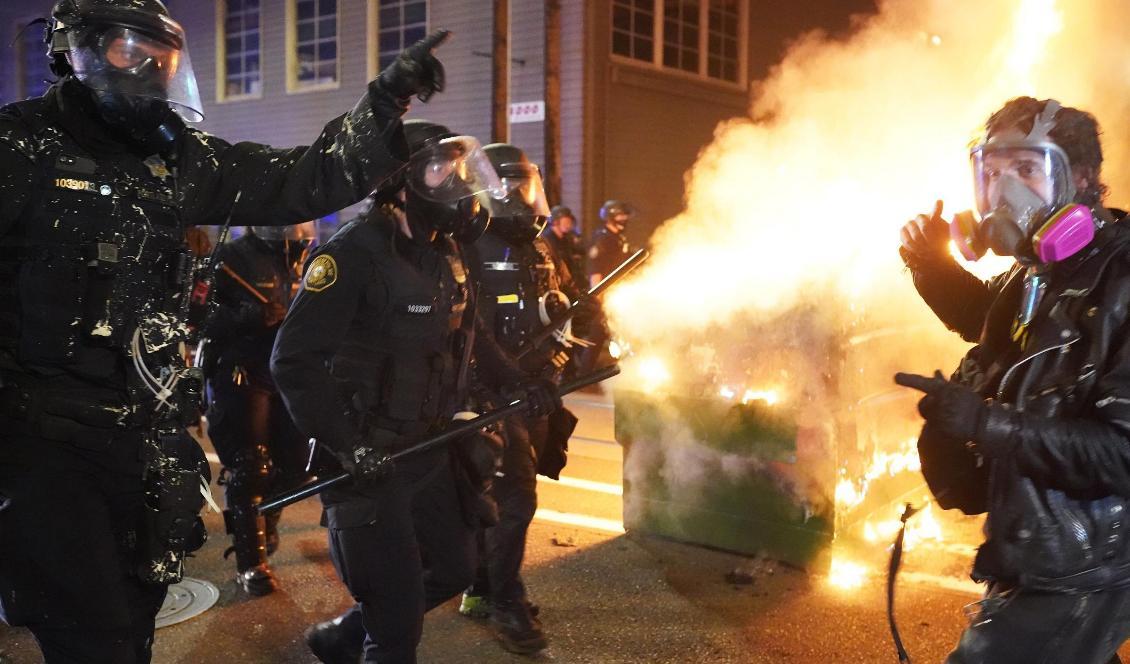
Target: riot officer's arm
353, 156
15, 178
260, 185
332, 294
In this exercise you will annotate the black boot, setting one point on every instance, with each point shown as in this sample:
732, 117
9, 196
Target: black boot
247, 529
333, 643
517, 629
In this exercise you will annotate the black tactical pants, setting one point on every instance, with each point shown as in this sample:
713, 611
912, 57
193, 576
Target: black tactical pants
499, 573
403, 549
262, 452
1029, 627
68, 516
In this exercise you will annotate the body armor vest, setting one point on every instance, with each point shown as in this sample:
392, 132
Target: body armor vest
403, 364
519, 289
97, 255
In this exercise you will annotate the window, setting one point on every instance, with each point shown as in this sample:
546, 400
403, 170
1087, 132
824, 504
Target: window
722, 43
238, 49
680, 35
313, 57
35, 72
398, 23
633, 29
698, 37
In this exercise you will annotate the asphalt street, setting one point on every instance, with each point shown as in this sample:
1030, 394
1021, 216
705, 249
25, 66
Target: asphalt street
606, 597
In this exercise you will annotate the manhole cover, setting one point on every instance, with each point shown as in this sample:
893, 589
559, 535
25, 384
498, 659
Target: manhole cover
185, 600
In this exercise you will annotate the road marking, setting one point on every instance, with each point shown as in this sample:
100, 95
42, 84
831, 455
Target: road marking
585, 485
582, 520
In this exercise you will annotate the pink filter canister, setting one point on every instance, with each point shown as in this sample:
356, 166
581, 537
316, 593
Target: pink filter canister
963, 232
1065, 234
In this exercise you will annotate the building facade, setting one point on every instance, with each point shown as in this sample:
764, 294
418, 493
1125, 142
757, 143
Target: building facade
643, 83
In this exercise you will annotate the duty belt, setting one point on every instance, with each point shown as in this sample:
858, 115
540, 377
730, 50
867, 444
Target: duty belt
27, 403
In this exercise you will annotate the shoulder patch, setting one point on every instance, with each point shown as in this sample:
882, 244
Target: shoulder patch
321, 273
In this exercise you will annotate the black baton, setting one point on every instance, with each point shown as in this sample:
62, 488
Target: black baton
631, 263
463, 428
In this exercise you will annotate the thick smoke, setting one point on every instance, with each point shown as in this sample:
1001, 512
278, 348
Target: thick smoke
846, 140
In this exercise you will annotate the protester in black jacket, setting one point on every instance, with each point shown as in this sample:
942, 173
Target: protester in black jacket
1034, 426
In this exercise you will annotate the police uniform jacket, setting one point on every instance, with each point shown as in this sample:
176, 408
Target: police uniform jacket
92, 251
376, 339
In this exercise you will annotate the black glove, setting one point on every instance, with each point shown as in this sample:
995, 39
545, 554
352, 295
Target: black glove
540, 395
957, 411
364, 463
481, 455
416, 71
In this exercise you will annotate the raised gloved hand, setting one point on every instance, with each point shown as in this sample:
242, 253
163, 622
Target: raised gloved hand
957, 411
416, 71
540, 396
926, 236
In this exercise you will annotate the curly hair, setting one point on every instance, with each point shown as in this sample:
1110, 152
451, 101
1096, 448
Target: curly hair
1076, 131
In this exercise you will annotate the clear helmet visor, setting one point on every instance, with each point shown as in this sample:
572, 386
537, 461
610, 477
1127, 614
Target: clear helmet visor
1025, 178
525, 193
453, 169
124, 61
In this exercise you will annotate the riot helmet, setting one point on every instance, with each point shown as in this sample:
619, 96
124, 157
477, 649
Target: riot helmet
561, 212
521, 213
131, 55
293, 241
449, 183
617, 214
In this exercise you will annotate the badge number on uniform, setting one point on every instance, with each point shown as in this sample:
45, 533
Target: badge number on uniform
321, 274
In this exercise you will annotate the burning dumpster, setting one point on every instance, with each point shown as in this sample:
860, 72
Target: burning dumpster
779, 444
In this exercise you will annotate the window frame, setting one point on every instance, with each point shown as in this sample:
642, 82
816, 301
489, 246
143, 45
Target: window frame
293, 86
701, 76
373, 33
222, 97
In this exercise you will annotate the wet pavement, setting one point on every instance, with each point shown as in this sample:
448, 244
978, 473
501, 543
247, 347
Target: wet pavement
606, 597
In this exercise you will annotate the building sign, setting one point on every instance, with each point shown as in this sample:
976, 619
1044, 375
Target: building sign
527, 111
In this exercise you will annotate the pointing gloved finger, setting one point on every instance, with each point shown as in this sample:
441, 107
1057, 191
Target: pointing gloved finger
918, 382
429, 43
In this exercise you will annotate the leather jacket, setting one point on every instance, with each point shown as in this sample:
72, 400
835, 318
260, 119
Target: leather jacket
1057, 485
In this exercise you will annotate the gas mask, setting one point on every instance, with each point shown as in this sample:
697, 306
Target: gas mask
132, 57
1025, 193
450, 184
521, 215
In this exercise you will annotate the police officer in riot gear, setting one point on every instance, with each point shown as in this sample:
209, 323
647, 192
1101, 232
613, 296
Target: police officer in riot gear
261, 450
608, 249
523, 284
99, 485
561, 236
373, 356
